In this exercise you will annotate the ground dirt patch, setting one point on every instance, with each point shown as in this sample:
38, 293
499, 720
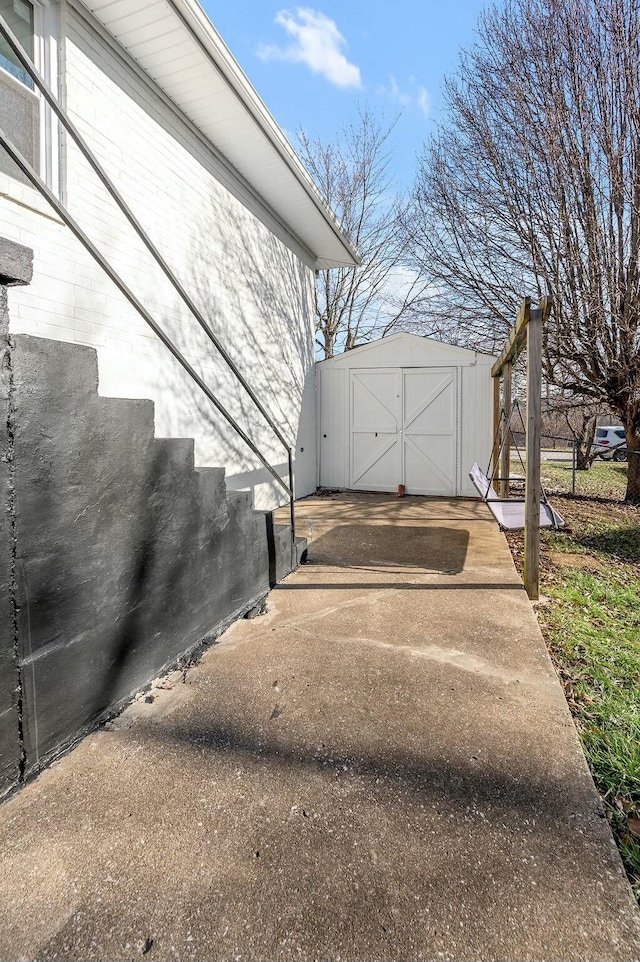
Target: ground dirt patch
571, 559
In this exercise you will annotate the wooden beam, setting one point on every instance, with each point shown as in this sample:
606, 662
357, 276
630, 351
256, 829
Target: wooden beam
496, 428
507, 375
545, 306
516, 339
533, 488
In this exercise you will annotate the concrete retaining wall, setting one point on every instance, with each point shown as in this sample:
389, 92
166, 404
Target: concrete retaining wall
126, 556
9, 722
16, 268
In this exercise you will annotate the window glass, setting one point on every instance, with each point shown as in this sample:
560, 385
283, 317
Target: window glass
620, 434
19, 17
602, 432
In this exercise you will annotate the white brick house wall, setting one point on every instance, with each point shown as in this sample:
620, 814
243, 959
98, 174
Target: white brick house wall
252, 280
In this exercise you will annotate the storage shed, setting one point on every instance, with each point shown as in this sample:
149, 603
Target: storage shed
404, 410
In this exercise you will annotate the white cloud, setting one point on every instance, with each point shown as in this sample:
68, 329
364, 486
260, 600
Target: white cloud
317, 42
424, 101
398, 285
393, 92
410, 96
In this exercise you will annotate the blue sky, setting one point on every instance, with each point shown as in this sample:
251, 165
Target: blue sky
313, 63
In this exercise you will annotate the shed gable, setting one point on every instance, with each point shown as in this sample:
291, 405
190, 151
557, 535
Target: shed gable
407, 350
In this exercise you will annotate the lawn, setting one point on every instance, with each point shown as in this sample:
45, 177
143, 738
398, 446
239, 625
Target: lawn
590, 577
605, 479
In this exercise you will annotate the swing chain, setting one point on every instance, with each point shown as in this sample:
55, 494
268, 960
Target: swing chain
501, 437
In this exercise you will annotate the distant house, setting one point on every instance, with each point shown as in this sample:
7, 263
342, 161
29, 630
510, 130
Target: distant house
124, 556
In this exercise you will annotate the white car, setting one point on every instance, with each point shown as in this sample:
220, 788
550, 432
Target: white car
610, 443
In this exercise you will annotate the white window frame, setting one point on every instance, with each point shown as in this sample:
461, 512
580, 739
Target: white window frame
46, 46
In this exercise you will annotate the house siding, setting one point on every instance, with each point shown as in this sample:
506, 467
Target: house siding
251, 279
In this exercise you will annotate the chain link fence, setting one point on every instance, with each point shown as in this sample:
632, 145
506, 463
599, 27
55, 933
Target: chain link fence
606, 477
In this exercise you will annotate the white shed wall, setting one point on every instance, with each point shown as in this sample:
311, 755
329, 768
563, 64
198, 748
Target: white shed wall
476, 420
475, 401
252, 279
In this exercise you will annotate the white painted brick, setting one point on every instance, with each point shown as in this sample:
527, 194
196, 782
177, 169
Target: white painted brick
53, 331
252, 287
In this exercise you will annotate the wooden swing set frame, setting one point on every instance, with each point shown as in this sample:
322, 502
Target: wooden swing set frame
526, 334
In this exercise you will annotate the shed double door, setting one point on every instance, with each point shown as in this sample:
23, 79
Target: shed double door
404, 430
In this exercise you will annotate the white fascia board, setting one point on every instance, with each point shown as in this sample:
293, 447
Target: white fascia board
422, 346
244, 132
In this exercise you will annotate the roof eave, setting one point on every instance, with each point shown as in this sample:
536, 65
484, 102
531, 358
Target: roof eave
195, 19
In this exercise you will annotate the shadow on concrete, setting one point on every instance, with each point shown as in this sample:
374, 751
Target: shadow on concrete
438, 549
333, 843
159, 549
450, 781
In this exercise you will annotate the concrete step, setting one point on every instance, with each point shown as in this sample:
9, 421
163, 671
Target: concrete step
71, 369
240, 500
301, 551
176, 453
130, 418
283, 559
213, 490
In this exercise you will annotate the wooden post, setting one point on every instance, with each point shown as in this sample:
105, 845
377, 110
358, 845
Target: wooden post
533, 489
506, 444
496, 426
527, 329
510, 351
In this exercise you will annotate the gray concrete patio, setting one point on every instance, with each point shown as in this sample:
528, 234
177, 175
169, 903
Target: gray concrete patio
381, 767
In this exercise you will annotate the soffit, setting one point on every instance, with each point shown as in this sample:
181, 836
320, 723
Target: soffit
176, 45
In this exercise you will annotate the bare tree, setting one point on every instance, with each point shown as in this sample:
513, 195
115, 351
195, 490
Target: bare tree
354, 305
577, 419
534, 186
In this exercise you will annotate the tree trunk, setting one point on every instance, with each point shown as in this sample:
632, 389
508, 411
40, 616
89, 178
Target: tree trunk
329, 339
633, 465
584, 442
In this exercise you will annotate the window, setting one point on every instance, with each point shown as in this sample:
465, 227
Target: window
23, 113
19, 15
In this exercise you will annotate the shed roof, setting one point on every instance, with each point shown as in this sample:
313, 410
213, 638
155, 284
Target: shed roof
403, 349
177, 46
